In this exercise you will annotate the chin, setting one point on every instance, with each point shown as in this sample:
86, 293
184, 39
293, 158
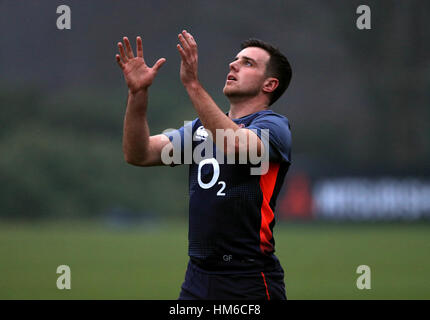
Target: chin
228, 92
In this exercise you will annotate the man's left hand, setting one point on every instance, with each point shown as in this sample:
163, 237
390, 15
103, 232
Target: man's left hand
189, 58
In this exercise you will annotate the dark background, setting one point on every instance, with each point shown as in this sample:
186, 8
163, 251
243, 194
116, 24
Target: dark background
358, 102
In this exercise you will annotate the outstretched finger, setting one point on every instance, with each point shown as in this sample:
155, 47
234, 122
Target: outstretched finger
181, 51
128, 49
158, 64
184, 42
139, 47
122, 53
118, 60
189, 38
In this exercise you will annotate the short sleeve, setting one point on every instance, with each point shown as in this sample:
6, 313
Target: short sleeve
178, 137
276, 129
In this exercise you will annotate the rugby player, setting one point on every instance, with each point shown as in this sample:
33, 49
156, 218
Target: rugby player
231, 210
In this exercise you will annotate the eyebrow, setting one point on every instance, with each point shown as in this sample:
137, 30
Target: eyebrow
246, 58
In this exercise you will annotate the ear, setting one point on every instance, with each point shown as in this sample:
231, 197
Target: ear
270, 85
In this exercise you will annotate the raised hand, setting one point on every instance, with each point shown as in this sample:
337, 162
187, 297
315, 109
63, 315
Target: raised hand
189, 58
137, 74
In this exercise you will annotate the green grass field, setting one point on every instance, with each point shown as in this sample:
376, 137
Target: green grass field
149, 263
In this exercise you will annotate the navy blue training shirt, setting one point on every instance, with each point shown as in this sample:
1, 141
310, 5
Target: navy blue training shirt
231, 211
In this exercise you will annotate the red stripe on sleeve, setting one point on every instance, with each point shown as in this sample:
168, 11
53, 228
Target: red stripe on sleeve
267, 185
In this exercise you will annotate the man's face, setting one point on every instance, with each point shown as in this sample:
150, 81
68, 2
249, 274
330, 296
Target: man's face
247, 73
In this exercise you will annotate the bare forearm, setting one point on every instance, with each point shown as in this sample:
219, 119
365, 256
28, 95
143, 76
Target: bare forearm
211, 116
234, 139
136, 130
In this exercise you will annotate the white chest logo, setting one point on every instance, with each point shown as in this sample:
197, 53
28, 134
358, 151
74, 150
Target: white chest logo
201, 133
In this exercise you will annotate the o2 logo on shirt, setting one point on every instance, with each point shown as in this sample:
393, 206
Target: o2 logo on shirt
214, 180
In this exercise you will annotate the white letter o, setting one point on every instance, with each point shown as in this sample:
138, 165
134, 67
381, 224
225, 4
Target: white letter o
215, 176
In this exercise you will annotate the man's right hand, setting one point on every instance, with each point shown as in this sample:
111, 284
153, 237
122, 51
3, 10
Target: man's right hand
137, 74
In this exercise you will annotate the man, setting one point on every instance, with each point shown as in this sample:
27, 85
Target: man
231, 210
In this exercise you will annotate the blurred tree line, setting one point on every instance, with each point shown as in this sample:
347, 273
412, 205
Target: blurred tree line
61, 157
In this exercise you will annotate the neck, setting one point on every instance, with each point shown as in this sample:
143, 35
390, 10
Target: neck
242, 108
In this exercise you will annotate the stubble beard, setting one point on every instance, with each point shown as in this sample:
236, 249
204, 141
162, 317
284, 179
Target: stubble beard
237, 94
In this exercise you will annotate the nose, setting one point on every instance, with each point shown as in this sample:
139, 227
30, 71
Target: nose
234, 66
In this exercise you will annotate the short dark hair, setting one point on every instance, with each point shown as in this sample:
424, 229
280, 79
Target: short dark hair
277, 67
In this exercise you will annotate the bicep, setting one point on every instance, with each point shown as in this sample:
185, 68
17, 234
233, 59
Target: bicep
156, 145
